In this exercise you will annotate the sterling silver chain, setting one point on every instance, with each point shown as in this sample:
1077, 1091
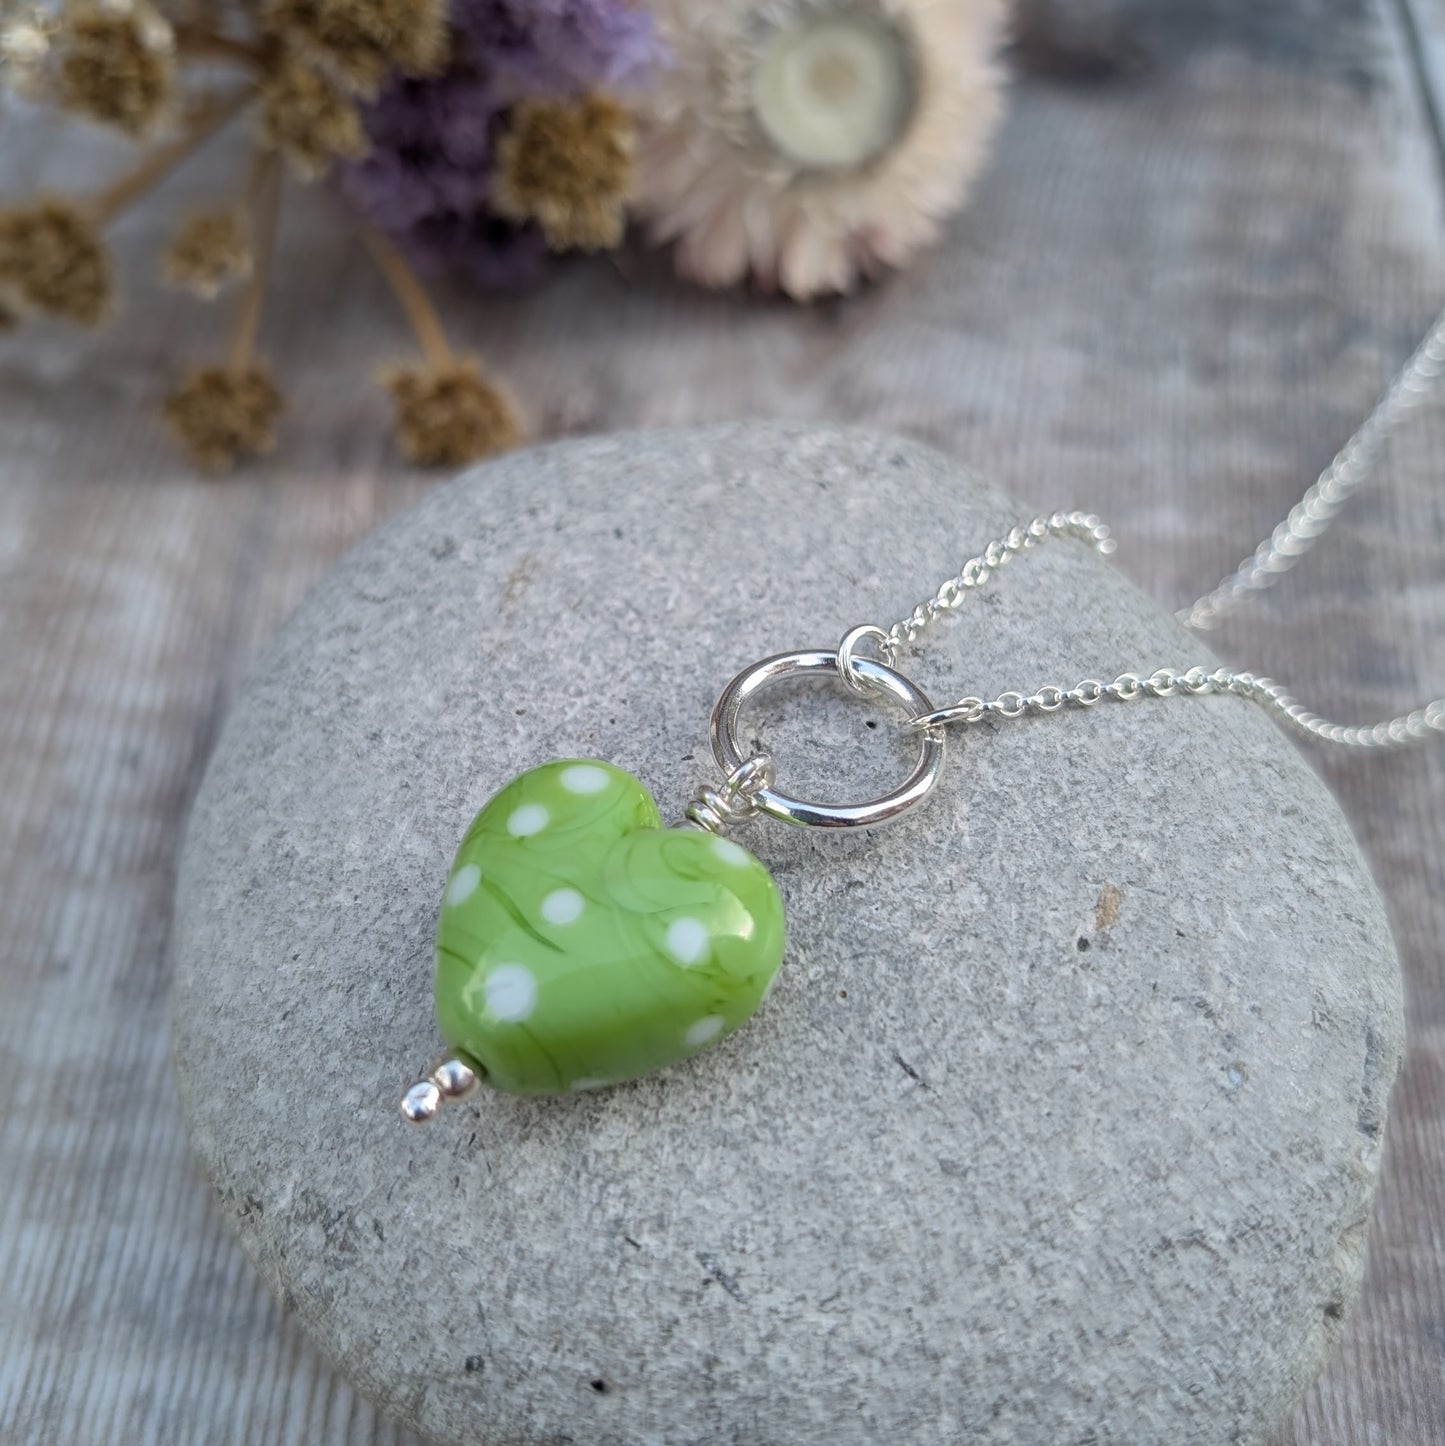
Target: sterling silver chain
867, 658
748, 787
1307, 522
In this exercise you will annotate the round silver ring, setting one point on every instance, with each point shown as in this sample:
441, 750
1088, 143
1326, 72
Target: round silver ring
880, 679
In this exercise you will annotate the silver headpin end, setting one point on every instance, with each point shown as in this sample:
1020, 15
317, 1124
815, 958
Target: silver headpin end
450, 1079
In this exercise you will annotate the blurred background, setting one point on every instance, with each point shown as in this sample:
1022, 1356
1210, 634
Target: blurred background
269, 270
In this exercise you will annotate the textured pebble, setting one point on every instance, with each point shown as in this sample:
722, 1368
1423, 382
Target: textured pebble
1061, 1123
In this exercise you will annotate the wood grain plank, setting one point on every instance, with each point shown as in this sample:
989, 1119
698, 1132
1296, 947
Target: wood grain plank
1177, 292
140, 593
1422, 23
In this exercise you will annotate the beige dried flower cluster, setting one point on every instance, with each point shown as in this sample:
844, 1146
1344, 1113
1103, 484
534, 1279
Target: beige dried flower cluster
451, 413
52, 259
308, 118
116, 63
209, 251
222, 413
24, 47
109, 61
302, 70
360, 41
331, 55
567, 165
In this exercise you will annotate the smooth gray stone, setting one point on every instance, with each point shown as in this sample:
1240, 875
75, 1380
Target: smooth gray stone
1062, 1123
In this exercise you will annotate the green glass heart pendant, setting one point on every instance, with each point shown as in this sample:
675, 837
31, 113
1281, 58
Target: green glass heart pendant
582, 944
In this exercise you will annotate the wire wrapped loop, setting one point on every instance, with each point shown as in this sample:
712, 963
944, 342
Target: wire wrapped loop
848, 654
714, 809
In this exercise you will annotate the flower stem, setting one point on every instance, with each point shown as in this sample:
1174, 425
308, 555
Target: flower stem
196, 40
412, 298
106, 205
264, 193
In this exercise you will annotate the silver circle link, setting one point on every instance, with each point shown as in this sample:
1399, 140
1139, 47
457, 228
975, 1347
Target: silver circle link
880, 681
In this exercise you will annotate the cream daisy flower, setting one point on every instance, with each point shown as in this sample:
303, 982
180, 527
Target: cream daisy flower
807, 142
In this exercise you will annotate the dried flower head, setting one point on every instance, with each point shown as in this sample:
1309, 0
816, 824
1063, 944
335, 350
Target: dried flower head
568, 166
362, 41
222, 414
806, 142
557, 47
116, 63
209, 251
25, 38
449, 414
307, 118
427, 181
52, 258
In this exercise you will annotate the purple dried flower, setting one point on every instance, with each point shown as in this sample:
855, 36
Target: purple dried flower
431, 152
557, 46
427, 179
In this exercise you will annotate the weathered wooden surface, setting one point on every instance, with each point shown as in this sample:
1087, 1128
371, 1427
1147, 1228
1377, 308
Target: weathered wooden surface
1176, 293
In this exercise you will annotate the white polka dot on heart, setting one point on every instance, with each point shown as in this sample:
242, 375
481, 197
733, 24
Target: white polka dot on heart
511, 991
687, 941
464, 884
585, 778
562, 906
530, 818
705, 1030
729, 852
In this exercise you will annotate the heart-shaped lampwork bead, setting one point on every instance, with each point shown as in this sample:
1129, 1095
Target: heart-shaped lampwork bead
582, 944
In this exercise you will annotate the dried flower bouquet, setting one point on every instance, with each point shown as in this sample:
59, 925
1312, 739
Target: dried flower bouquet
797, 145
476, 135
